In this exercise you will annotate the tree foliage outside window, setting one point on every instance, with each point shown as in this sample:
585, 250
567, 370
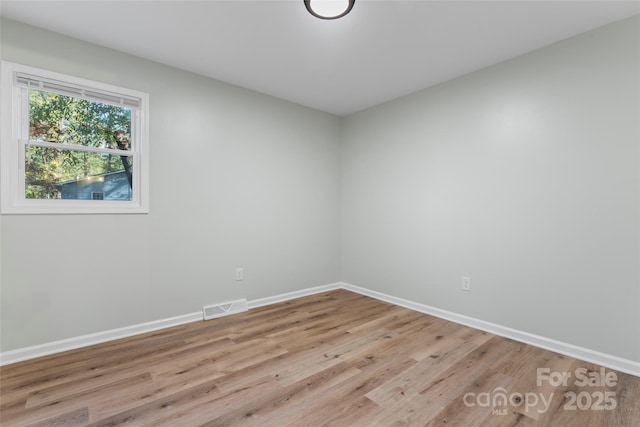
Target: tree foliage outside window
64, 140
56, 118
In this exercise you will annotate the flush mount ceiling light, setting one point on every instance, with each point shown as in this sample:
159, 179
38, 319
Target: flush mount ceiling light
329, 9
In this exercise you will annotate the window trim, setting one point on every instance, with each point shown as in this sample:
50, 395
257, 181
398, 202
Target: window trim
12, 122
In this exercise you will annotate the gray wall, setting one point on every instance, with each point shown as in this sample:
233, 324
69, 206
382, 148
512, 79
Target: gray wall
262, 179
524, 176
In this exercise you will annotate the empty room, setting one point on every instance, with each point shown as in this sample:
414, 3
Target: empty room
320, 213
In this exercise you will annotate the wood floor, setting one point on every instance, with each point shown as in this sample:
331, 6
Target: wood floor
332, 359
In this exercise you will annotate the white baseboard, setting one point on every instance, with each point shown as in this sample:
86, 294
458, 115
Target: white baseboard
581, 353
602, 359
46, 349
291, 295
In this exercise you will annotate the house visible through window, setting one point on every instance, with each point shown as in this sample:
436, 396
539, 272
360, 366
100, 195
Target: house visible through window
72, 142
58, 125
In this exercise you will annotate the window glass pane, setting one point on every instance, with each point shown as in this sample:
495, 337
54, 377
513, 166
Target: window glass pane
68, 174
69, 120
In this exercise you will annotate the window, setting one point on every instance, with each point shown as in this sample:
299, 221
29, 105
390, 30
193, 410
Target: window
71, 145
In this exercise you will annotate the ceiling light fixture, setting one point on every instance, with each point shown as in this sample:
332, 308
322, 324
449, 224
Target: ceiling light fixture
329, 9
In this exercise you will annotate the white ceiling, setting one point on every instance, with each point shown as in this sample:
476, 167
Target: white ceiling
380, 51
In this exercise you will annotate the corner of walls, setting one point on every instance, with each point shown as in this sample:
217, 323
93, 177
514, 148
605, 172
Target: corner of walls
585, 354
524, 176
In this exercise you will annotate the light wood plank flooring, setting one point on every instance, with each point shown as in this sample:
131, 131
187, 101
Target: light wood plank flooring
332, 359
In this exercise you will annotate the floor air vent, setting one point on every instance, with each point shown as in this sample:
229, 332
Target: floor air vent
224, 309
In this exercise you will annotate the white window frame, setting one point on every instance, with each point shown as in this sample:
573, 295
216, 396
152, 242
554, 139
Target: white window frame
14, 122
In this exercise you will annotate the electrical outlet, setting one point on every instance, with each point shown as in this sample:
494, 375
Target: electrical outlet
239, 274
466, 284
